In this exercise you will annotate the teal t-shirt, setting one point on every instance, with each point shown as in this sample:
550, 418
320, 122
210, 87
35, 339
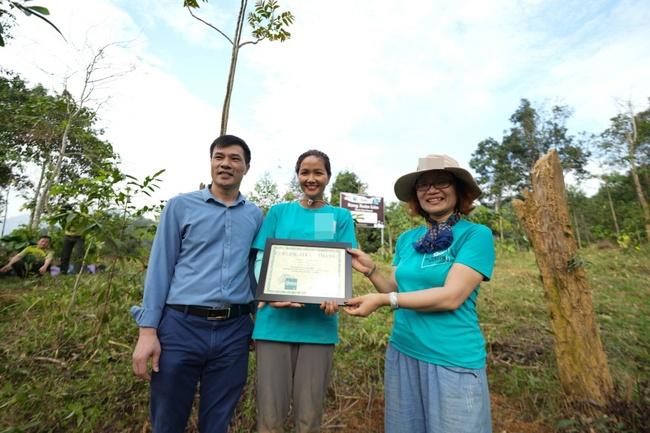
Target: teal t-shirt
308, 324
448, 338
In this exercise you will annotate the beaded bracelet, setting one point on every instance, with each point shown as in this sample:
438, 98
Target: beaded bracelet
372, 271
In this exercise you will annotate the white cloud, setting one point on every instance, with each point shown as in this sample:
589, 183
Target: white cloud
373, 84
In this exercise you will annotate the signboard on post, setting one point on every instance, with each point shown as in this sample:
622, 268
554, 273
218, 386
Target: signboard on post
367, 211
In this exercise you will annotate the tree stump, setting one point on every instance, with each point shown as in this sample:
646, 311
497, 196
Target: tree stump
583, 368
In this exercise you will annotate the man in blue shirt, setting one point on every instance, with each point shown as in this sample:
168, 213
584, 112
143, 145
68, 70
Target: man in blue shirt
195, 322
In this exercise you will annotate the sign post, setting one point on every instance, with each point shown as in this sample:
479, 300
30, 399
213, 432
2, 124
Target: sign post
367, 211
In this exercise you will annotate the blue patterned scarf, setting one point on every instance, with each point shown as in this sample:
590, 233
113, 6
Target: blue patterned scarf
438, 237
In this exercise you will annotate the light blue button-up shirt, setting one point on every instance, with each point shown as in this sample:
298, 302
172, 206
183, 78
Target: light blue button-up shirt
201, 255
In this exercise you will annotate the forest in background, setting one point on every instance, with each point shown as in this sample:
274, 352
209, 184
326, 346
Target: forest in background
55, 136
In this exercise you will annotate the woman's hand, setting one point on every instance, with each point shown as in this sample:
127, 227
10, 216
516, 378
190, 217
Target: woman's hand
361, 261
364, 306
331, 308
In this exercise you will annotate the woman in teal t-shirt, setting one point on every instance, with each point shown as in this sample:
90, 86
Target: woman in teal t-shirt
435, 380
295, 342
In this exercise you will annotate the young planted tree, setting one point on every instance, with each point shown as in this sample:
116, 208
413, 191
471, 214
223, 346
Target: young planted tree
265, 22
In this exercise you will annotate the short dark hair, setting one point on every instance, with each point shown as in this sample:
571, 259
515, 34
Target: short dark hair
231, 140
318, 154
46, 237
464, 201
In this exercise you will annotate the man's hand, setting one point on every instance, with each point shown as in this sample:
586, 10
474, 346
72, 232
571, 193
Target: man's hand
148, 347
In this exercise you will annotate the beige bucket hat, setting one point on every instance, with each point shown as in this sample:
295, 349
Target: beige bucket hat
404, 185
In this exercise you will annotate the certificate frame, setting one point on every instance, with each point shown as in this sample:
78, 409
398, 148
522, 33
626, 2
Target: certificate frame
306, 272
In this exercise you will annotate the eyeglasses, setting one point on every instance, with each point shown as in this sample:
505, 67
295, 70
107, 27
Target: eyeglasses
422, 185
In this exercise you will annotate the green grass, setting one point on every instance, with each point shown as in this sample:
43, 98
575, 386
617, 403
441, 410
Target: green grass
56, 375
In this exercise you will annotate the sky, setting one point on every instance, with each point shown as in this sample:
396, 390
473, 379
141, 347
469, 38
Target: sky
375, 85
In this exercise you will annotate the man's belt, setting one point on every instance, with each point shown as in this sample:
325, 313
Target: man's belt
232, 312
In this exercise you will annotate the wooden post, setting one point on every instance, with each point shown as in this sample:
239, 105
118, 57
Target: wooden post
583, 368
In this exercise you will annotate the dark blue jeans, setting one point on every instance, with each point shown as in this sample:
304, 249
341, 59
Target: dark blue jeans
195, 351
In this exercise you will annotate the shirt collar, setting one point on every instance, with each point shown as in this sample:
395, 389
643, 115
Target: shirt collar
207, 195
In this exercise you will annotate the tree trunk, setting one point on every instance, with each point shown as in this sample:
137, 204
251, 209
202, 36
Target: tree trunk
577, 228
583, 369
611, 208
497, 208
587, 232
53, 177
225, 112
34, 221
631, 140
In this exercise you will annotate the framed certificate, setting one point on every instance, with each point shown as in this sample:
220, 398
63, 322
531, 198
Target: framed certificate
307, 272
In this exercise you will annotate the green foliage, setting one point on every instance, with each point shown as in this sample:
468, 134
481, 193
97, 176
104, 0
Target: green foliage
294, 192
504, 168
575, 261
612, 212
57, 377
20, 238
265, 193
36, 124
396, 222
267, 24
6, 15
346, 181
265, 21
617, 151
521, 361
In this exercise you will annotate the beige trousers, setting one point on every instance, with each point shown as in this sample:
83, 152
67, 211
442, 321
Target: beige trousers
286, 370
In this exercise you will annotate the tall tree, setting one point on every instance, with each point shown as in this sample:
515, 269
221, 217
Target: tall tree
495, 174
75, 116
503, 168
626, 143
265, 23
16, 133
536, 132
346, 181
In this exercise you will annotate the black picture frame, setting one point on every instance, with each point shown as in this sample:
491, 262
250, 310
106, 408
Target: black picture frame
306, 272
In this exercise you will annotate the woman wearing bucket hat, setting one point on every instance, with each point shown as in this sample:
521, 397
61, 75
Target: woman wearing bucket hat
435, 379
